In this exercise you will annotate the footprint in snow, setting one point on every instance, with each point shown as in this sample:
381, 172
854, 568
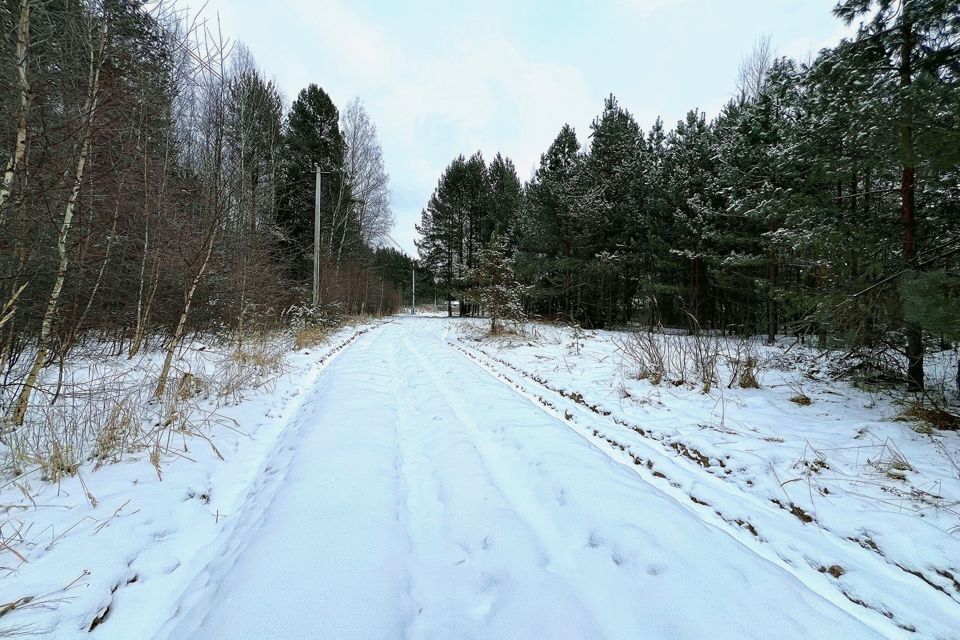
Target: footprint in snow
618, 558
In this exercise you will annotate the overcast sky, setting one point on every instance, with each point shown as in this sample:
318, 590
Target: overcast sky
442, 78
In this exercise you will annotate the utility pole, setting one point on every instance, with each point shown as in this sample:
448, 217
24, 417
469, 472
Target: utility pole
316, 240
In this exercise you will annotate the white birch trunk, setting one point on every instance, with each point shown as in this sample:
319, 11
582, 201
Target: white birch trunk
23, 111
46, 326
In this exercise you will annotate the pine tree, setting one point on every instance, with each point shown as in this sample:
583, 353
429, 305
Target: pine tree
615, 170
908, 48
495, 288
694, 204
798, 208
505, 195
758, 178
547, 227
442, 242
311, 138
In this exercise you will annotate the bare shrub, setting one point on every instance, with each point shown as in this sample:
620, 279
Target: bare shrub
692, 359
104, 411
706, 350
646, 353
742, 364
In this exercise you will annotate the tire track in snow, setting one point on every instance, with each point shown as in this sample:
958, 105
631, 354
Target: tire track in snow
460, 531
425, 500
505, 455
874, 608
222, 554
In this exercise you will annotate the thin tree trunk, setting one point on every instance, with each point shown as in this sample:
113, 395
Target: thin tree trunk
46, 326
772, 269
23, 111
138, 327
143, 309
913, 332
9, 307
182, 322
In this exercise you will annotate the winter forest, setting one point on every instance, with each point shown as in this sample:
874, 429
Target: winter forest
157, 185
690, 379
823, 201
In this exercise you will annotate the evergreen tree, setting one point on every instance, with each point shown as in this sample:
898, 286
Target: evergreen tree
612, 222
798, 208
909, 48
505, 195
312, 138
694, 204
546, 228
441, 229
494, 286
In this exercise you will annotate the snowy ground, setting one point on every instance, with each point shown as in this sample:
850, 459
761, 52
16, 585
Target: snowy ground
422, 483
113, 548
843, 492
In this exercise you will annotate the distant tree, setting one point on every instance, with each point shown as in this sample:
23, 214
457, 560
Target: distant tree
775, 216
451, 226
612, 217
752, 74
505, 195
312, 138
546, 229
365, 169
253, 138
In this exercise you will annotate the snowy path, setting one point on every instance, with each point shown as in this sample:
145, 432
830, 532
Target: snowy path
422, 498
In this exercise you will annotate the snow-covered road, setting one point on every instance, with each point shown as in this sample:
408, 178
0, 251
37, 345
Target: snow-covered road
416, 496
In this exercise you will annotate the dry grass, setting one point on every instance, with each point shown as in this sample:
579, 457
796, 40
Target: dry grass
250, 366
104, 410
310, 336
934, 416
689, 360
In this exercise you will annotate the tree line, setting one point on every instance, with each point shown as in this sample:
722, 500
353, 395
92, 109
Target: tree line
823, 200
155, 185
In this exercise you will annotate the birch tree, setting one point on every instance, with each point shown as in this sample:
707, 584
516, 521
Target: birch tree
96, 54
366, 171
15, 163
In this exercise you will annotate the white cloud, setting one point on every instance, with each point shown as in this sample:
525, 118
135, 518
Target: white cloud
449, 78
470, 88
